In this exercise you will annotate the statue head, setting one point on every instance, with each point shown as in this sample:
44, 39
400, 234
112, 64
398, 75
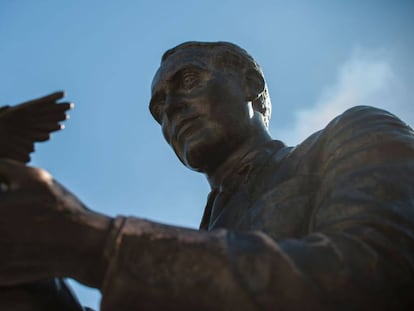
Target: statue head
229, 56
209, 98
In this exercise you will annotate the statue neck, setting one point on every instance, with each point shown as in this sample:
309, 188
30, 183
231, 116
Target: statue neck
230, 166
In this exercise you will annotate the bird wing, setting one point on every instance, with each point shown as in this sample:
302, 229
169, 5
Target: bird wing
33, 121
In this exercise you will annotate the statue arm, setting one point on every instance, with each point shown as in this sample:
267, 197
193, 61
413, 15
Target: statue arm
45, 231
154, 266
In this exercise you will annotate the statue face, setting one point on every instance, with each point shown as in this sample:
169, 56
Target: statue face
202, 108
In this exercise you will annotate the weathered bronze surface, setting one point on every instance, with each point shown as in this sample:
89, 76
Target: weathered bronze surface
327, 225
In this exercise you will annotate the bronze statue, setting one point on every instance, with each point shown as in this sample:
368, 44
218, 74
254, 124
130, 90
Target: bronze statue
326, 225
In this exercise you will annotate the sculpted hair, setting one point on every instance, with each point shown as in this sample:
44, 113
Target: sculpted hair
231, 56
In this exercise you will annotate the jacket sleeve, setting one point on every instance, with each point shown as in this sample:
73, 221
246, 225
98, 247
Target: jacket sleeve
160, 267
358, 253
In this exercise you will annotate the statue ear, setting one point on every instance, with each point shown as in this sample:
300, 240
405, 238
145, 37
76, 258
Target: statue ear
254, 84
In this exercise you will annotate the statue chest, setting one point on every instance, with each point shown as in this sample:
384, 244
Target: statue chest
279, 208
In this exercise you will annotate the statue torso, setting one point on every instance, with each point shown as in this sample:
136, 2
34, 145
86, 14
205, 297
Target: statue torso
273, 193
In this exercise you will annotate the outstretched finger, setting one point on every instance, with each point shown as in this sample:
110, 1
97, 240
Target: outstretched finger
47, 127
50, 108
43, 107
45, 99
37, 135
17, 154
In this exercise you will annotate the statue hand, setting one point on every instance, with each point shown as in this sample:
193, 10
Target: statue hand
22, 186
45, 231
33, 121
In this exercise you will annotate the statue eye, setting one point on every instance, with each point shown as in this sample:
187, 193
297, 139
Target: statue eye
189, 80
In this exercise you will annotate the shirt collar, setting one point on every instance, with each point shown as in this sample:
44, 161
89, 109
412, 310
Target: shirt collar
251, 161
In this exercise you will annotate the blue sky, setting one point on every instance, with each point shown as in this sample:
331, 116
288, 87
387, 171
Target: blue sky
319, 58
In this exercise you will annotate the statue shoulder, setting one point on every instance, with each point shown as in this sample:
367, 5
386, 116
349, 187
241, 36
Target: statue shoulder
359, 135
363, 126
363, 120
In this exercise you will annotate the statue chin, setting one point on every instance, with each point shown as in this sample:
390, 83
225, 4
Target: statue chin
194, 161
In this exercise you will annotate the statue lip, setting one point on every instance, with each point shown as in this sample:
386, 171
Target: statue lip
184, 125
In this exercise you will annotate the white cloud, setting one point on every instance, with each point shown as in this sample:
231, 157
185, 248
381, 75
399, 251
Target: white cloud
366, 78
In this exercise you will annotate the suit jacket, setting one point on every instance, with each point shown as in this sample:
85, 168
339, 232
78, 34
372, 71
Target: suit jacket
328, 224
45, 295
